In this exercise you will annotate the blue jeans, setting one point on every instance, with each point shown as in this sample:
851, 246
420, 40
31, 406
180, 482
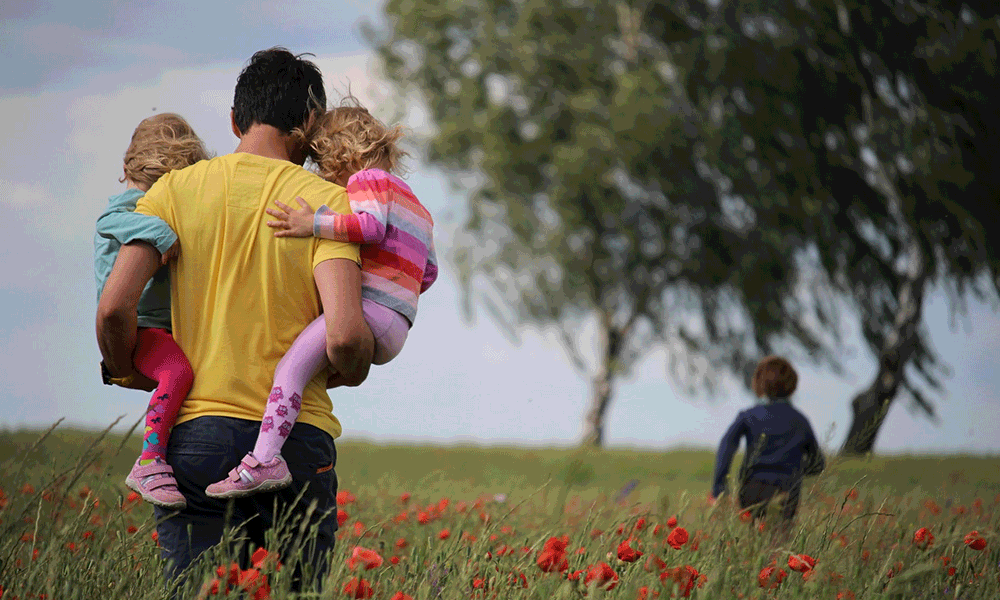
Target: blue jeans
203, 451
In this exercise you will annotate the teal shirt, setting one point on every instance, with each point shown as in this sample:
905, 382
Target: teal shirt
120, 225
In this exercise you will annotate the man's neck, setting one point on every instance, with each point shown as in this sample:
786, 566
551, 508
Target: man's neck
268, 141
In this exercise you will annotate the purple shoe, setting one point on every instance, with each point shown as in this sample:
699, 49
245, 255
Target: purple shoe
156, 484
252, 477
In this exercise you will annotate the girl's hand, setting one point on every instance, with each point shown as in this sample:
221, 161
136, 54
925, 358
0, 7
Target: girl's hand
292, 222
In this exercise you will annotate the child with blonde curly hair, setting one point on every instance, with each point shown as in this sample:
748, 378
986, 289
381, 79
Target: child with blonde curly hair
159, 144
355, 150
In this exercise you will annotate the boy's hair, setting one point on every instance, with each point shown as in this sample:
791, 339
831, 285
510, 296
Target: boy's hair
161, 143
774, 377
277, 88
348, 139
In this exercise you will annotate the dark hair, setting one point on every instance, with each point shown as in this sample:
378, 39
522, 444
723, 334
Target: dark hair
278, 88
775, 378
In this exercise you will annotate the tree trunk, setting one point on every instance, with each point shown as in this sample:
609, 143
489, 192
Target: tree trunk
870, 407
600, 398
601, 384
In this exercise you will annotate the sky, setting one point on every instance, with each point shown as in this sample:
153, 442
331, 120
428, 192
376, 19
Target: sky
78, 77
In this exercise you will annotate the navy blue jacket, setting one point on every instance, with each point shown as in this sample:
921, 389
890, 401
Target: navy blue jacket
781, 447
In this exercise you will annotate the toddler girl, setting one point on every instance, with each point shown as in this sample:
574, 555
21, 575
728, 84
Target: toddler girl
160, 143
357, 151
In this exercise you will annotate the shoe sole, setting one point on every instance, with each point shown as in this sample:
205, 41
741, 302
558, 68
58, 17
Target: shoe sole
268, 485
133, 485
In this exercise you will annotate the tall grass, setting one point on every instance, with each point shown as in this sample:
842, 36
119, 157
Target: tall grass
469, 522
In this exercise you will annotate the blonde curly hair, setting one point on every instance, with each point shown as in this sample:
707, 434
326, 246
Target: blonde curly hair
161, 143
348, 139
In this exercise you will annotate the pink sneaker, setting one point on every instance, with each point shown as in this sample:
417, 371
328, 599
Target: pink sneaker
252, 477
156, 484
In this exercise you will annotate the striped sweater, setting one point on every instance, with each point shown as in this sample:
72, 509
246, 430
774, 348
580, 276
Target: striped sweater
396, 233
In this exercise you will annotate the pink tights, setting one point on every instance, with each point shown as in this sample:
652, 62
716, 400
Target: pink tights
305, 359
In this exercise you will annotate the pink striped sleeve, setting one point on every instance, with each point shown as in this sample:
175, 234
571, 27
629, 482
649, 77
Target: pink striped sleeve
370, 193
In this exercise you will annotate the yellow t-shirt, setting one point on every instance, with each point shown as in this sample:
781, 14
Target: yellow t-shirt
240, 296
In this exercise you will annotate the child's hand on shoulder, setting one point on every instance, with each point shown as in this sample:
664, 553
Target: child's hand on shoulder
292, 222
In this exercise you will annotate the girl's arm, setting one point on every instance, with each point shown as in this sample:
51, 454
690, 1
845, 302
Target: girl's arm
126, 227
431, 270
370, 193
724, 457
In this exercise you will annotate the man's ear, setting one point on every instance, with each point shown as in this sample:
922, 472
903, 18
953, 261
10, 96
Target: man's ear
232, 123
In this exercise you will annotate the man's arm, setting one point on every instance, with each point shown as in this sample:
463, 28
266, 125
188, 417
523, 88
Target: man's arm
349, 341
117, 309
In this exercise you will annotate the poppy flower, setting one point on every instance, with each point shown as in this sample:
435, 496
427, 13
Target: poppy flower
423, 518
402, 543
575, 575
401, 596
771, 577
404, 497
654, 563
363, 556
672, 522
444, 534
684, 577
553, 555
677, 538
358, 588
602, 575
923, 538
801, 563
341, 517
640, 524
344, 497
644, 594
627, 553
975, 541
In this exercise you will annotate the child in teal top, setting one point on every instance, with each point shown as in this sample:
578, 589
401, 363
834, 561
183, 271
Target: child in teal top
159, 144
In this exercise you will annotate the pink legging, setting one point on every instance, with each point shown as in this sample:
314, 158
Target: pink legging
305, 358
158, 357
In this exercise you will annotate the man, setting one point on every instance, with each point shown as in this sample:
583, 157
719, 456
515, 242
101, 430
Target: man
239, 298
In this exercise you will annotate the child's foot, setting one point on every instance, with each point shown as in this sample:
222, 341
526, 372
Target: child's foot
156, 484
252, 477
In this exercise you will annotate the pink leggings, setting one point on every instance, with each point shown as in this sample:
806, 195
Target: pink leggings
305, 358
158, 357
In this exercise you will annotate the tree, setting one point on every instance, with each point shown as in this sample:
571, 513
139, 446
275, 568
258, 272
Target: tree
697, 176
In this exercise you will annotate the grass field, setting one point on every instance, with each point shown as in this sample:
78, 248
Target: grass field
470, 522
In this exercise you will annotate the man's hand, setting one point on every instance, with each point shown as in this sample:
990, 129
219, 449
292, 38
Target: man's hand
292, 222
171, 253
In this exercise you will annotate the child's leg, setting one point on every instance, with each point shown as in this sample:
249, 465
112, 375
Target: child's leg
158, 357
299, 365
389, 328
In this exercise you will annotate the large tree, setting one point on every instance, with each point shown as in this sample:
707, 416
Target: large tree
711, 178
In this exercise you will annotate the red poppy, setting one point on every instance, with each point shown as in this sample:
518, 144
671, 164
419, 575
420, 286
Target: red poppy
575, 575
423, 518
845, 595
401, 596
341, 517
358, 588
801, 563
975, 541
602, 575
344, 498
394, 560
923, 538
684, 577
771, 577
677, 538
359, 529
627, 553
404, 497
640, 524
252, 581
654, 563
402, 543
444, 534
672, 522
363, 556
553, 555
644, 594
746, 516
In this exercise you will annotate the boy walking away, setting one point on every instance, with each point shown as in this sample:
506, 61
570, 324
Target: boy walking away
781, 446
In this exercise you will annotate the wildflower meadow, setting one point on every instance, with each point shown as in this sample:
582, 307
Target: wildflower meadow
424, 522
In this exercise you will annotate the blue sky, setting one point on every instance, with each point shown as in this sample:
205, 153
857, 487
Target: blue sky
80, 76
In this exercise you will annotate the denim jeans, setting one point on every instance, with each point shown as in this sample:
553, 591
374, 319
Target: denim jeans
203, 451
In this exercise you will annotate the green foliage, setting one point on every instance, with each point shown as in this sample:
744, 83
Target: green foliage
81, 537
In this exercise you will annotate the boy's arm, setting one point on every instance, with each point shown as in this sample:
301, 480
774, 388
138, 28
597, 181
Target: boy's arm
370, 193
431, 270
724, 456
127, 227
